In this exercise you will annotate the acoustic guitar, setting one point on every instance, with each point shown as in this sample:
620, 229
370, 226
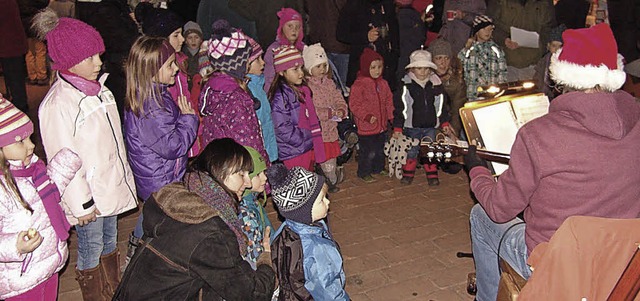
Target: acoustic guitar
442, 152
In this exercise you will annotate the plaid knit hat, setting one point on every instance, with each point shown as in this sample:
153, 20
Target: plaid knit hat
192, 27
229, 49
294, 191
285, 57
256, 50
480, 22
69, 41
314, 55
15, 125
157, 22
440, 47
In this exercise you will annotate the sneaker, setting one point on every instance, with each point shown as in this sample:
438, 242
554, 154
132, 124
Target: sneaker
433, 181
368, 179
383, 173
406, 180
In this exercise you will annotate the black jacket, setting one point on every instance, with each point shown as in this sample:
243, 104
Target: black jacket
428, 107
188, 247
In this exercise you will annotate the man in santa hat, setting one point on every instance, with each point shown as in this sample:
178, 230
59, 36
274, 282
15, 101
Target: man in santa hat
579, 159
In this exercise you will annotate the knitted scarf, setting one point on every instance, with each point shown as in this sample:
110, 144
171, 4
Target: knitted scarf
215, 196
88, 87
314, 125
49, 195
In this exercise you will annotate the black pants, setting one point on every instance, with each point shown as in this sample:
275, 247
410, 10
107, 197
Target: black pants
371, 154
15, 73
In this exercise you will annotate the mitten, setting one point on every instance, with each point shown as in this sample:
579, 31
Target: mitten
471, 159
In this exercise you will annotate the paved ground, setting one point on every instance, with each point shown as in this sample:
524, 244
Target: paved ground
398, 242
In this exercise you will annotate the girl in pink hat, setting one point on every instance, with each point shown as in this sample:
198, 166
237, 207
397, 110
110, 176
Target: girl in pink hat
290, 32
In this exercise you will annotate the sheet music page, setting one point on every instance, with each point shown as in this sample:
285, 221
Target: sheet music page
525, 38
498, 127
530, 107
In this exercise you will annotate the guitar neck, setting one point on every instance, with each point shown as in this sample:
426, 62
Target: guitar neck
489, 155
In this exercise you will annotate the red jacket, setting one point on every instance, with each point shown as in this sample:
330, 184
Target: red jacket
14, 40
371, 98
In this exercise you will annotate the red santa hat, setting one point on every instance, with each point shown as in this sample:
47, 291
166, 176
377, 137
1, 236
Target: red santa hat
589, 57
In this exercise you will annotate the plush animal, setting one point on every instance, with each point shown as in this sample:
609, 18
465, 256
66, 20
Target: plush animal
396, 150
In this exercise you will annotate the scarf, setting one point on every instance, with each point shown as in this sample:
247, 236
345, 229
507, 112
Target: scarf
314, 125
88, 87
49, 195
215, 196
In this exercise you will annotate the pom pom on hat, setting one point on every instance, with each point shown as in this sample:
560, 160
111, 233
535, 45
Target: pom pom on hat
285, 57
294, 191
69, 41
314, 55
157, 22
440, 47
480, 22
15, 125
229, 49
589, 57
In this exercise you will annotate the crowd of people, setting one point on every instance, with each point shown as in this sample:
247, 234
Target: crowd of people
202, 125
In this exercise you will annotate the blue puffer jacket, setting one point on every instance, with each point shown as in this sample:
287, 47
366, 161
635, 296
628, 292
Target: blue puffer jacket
264, 115
157, 143
322, 263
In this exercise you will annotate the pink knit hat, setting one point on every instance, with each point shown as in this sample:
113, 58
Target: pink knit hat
256, 50
285, 57
285, 15
14, 124
69, 41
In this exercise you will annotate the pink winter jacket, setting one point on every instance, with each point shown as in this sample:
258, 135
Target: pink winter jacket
327, 100
22, 272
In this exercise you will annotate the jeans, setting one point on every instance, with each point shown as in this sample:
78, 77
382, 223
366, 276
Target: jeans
341, 61
96, 239
371, 154
418, 133
486, 235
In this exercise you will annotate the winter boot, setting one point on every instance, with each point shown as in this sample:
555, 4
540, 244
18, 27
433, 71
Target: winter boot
409, 171
432, 174
93, 284
111, 270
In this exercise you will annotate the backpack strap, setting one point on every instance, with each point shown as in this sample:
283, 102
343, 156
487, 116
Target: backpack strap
287, 258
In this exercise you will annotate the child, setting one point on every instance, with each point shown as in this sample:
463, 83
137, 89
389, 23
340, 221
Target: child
371, 103
34, 230
295, 121
542, 77
80, 113
483, 60
159, 133
290, 32
191, 47
421, 107
251, 210
226, 106
301, 198
255, 74
163, 23
330, 107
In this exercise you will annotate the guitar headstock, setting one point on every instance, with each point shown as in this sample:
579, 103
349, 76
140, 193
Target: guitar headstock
440, 151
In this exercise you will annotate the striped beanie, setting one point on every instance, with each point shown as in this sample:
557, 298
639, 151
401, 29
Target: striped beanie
229, 49
14, 124
480, 22
285, 57
294, 191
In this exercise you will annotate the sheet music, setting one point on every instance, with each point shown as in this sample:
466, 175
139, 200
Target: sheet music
530, 107
498, 127
525, 38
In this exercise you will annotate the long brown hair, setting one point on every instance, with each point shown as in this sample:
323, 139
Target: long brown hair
277, 83
142, 67
9, 183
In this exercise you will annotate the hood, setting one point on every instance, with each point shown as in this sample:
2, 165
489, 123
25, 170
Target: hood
223, 82
366, 58
611, 115
183, 205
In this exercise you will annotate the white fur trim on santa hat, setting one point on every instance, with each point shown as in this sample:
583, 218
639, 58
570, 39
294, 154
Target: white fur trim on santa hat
583, 77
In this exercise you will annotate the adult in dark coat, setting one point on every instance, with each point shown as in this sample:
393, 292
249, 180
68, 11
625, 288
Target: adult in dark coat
113, 21
572, 13
211, 10
372, 24
264, 14
624, 17
412, 34
12, 51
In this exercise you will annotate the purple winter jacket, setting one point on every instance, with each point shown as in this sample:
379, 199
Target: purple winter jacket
157, 143
228, 112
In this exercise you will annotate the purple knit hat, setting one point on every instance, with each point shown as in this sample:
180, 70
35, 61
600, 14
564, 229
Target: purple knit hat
229, 49
14, 124
294, 191
285, 57
69, 41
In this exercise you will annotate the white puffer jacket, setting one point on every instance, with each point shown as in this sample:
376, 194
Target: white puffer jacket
22, 272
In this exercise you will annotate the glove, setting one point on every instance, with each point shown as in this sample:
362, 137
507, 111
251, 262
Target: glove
471, 159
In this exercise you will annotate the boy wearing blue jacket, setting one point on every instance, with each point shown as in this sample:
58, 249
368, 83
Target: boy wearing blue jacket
301, 198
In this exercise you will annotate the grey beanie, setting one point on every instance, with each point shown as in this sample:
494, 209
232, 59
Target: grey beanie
440, 47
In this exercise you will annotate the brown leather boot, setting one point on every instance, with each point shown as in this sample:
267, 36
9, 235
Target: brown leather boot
110, 265
92, 284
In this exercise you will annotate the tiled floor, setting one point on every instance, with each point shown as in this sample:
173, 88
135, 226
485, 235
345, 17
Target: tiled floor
398, 242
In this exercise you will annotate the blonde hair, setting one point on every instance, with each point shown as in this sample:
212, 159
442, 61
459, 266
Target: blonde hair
9, 183
142, 66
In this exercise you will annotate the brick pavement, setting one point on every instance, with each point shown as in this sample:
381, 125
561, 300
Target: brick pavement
398, 242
